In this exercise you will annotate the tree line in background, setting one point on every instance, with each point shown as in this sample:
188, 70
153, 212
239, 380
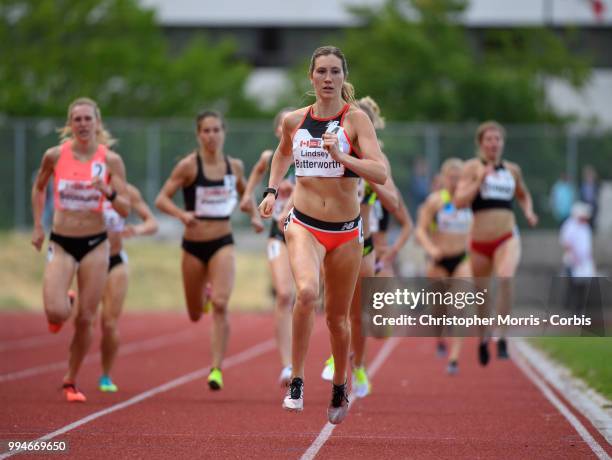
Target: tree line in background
427, 69
418, 70
112, 50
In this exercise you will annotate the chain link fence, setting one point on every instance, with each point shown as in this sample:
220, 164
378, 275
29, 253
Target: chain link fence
151, 148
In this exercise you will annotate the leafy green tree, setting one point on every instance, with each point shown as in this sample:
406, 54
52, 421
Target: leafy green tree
416, 59
113, 51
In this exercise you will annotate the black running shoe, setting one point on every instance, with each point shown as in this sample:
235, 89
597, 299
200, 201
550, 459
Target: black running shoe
294, 400
483, 353
452, 368
502, 349
338, 408
441, 349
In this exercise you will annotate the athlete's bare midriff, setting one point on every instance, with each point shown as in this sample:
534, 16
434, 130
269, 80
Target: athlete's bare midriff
327, 199
78, 223
207, 230
449, 244
490, 224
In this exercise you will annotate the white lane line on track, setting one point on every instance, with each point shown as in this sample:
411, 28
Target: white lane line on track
522, 364
590, 404
38, 341
328, 429
29, 342
127, 349
239, 358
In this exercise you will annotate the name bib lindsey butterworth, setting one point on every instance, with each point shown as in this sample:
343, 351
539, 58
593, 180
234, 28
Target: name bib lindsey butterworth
314, 160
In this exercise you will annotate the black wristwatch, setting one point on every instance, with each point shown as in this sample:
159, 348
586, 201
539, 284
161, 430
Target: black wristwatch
270, 190
112, 195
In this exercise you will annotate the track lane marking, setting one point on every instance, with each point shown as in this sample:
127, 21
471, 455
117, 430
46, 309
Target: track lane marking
124, 350
328, 429
599, 451
239, 358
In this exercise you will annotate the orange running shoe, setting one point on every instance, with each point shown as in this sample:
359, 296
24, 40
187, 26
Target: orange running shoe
54, 328
72, 393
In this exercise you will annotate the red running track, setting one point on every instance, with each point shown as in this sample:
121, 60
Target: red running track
415, 411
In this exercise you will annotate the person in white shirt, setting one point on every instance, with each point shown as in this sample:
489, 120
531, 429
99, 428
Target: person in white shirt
576, 237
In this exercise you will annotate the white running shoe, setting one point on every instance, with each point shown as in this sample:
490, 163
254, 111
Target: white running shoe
328, 370
339, 406
361, 383
285, 377
294, 400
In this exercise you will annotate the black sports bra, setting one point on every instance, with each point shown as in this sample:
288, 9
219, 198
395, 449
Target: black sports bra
211, 199
496, 191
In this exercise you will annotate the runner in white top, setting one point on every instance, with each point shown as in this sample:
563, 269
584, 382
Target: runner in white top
443, 230
117, 282
324, 227
278, 257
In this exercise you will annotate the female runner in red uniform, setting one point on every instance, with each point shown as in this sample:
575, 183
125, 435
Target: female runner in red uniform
331, 144
489, 184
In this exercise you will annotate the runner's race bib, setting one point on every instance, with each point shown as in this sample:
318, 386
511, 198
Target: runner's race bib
78, 195
216, 200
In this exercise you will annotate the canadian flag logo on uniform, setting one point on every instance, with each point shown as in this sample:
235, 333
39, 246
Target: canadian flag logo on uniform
311, 143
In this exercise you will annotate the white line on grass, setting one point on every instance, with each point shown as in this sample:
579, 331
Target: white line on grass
250, 353
328, 429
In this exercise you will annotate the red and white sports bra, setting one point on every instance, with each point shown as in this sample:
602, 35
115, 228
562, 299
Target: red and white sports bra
72, 182
309, 156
